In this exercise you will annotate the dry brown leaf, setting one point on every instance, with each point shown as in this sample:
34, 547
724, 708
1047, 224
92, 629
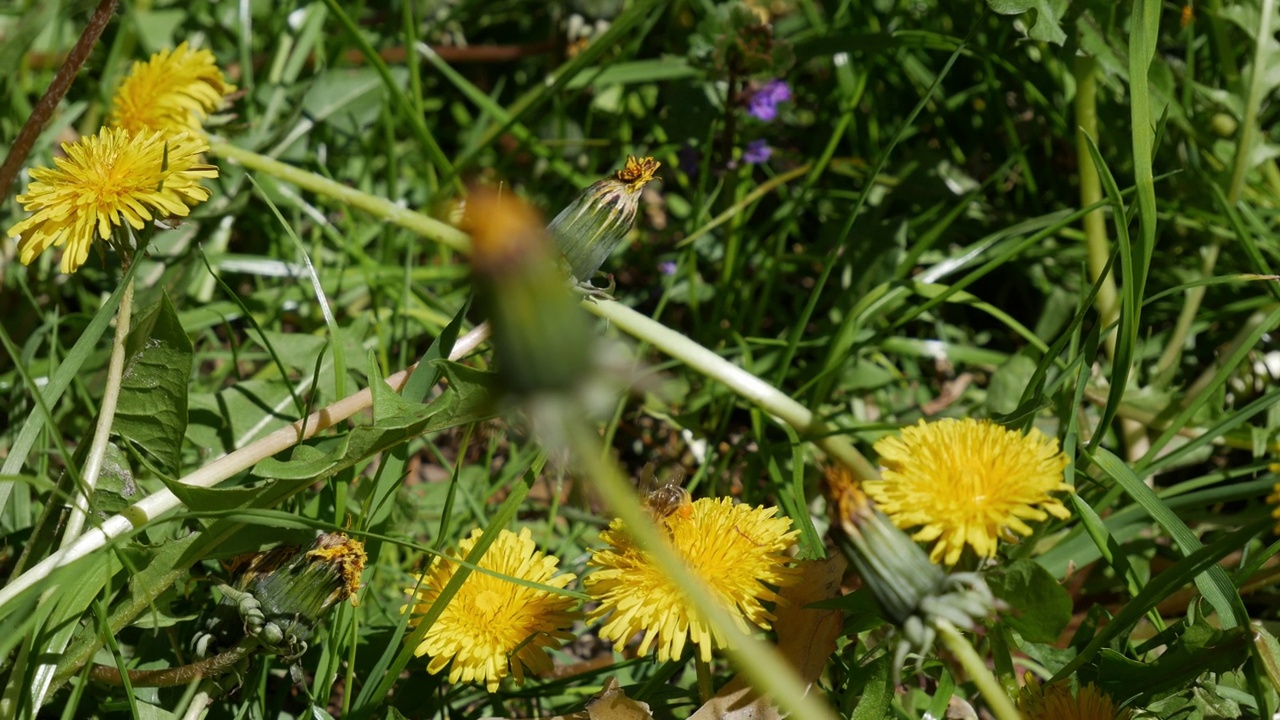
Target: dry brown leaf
611, 703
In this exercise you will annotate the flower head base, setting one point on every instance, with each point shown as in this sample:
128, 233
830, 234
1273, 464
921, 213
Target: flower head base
968, 482
173, 92
493, 625
104, 182
736, 550
1056, 702
590, 227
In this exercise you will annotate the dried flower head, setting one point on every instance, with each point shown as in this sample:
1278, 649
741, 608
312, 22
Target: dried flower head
174, 91
968, 482
1056, 702
498, 622
104, 182
738, 552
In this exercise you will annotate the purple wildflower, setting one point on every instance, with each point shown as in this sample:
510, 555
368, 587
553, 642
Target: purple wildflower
758, 151
667, 267
764, 103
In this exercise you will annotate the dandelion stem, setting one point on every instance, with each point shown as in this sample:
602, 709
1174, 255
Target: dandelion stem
750, 387
427, 227
233, 463
999, 703
1095, 224
757, 660
106, 416
705, 690
669, 341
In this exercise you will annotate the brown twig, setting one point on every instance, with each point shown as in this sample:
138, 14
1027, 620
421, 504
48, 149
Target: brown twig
174, 676
43, 110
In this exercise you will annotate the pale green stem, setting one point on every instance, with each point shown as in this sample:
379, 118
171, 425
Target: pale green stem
106, 416
757, 660
674, 344
751, 388
705, 689
999, 703
440, 232
229, 465
1166, 366
79, 510
1097, 245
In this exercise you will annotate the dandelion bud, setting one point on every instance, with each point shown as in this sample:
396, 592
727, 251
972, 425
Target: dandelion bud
588, 230
540, 336
913, 592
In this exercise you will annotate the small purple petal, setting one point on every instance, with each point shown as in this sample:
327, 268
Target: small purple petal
667, 267
758, 151
763, 105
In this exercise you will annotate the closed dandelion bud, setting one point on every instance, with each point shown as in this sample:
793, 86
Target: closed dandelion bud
540, 336
588, 230
893, 567
913, 592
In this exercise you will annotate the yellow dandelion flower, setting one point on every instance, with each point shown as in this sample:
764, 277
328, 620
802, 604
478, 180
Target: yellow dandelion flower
968, 482
736, 550
494, 625
106, 181
172, 92
1056, 702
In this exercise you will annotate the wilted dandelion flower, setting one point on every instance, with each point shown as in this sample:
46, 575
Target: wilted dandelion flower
968, 482
494, 625
736, 550
106, 181
1056, 702
172, 92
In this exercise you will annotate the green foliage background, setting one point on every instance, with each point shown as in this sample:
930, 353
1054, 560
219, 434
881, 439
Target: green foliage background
915, 247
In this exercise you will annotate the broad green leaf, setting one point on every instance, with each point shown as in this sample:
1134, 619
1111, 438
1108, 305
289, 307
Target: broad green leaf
1198, 650
152, 411
1040, 607
1048, 22
1008, 383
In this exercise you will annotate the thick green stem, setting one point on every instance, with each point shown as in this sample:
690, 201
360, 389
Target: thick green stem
758, 660
1097, 245
746, 385
1258, 89
106, 416
430, 228
999, 703
233, 463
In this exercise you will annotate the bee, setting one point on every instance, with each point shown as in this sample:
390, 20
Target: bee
665, 501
